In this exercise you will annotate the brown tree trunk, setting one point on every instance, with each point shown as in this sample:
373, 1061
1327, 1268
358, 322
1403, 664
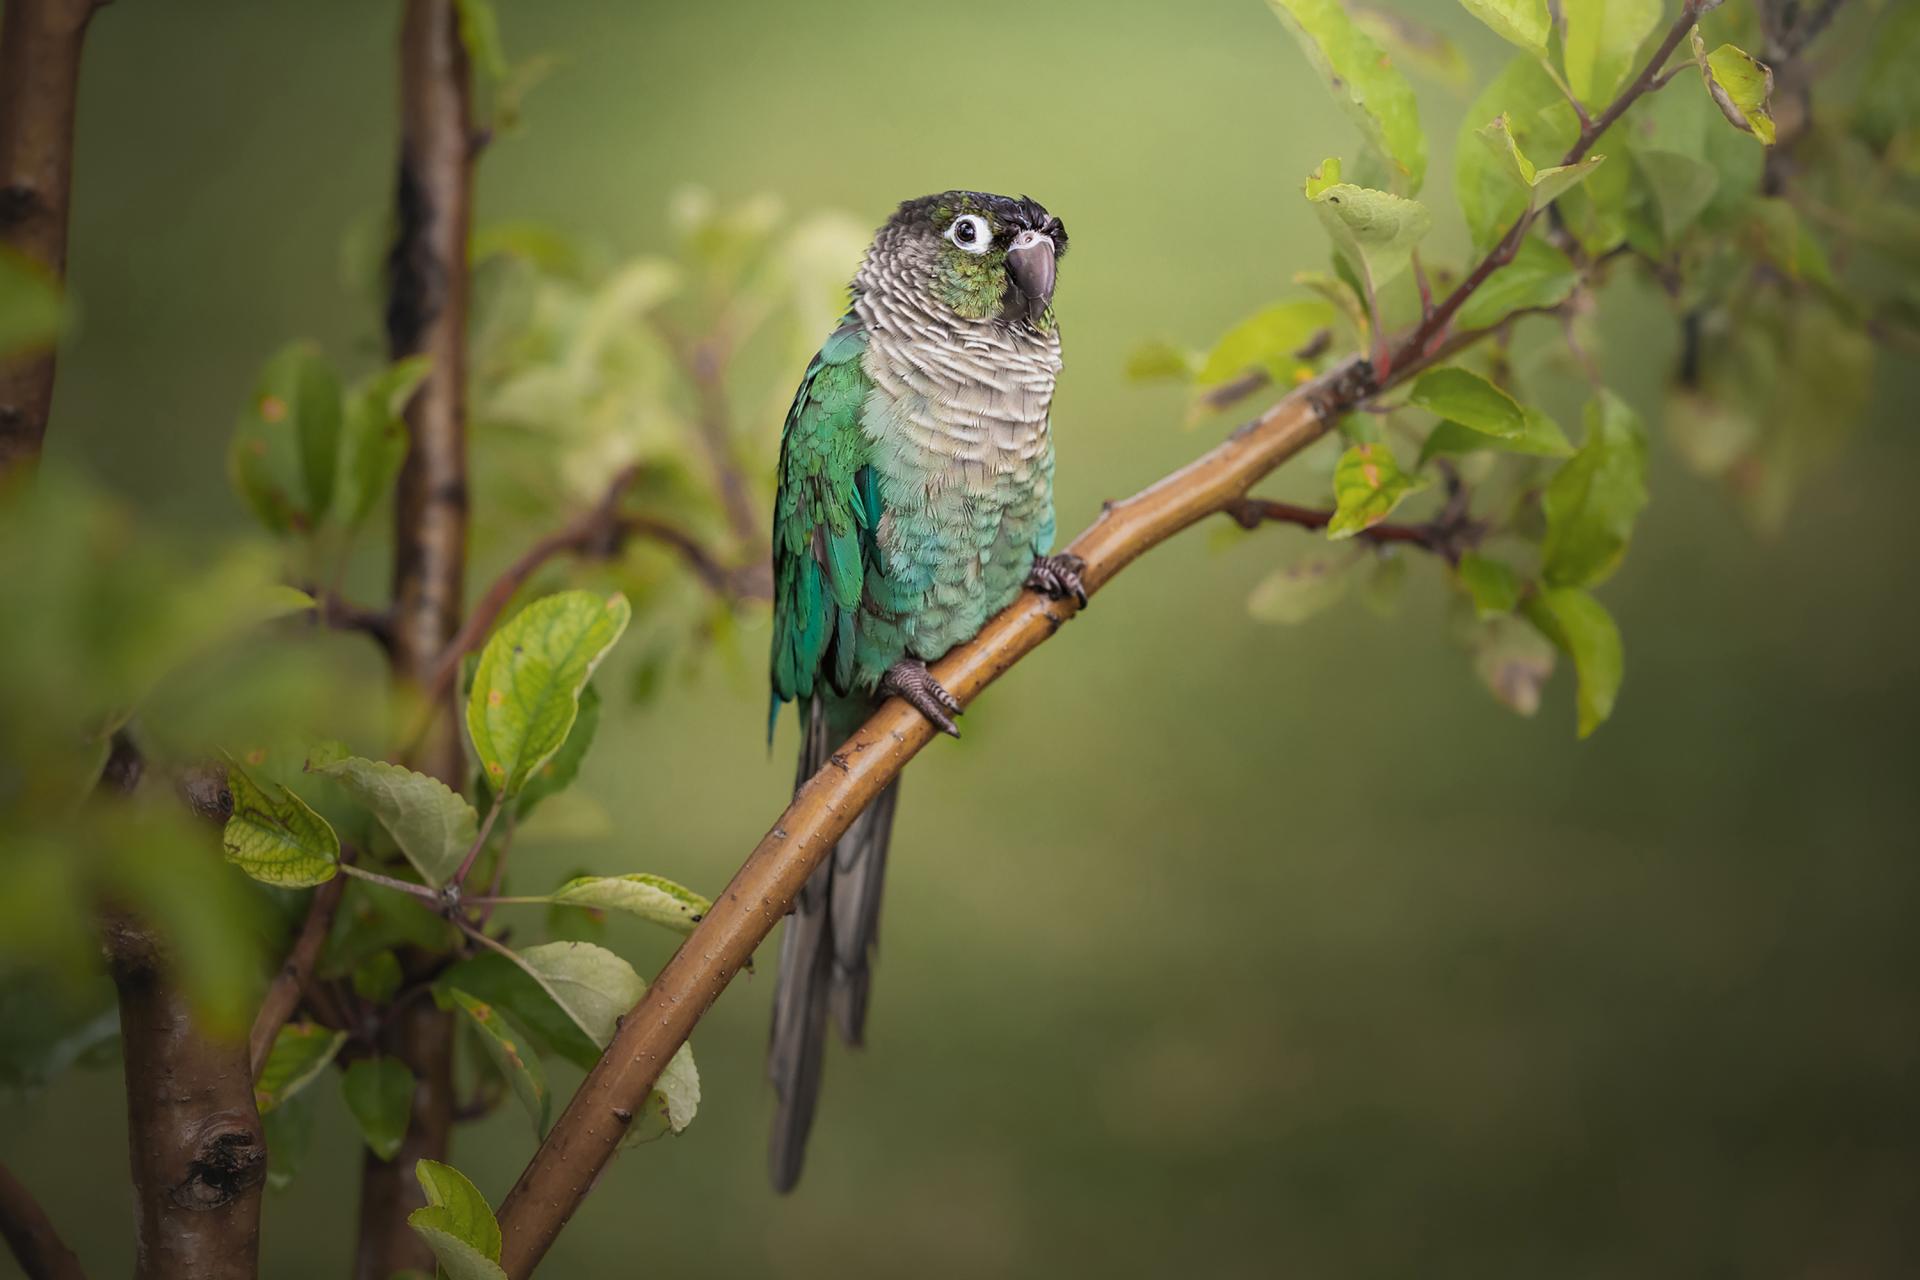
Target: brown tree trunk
426, 315
198, 1154
40, 44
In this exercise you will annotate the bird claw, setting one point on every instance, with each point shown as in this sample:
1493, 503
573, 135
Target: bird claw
911, 682
1058, 576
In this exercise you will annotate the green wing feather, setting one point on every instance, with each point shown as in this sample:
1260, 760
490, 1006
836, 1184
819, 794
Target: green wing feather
824, 516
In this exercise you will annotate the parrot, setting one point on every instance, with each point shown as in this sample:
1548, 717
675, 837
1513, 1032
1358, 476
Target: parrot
914, 501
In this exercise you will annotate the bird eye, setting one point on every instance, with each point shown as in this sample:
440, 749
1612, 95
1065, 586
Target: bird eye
971, 232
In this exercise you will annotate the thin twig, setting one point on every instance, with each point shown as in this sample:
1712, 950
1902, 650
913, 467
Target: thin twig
704, 364
290, 982
1433, 327
426, 893
1447, 535
480, 840
30, 1233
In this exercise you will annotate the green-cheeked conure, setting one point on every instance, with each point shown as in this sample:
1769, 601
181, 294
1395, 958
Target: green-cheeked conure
915, 502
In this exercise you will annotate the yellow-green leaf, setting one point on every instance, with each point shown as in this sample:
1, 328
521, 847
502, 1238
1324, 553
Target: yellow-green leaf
1602, 37
526, 690
1375, 231
1539, 276
1541, 185
1363, 80
1367, 485
1740, 85
1267, 341
457, 1223
275, 837
652, 898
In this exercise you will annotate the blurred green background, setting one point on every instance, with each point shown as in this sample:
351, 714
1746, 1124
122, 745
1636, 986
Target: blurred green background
1213, 948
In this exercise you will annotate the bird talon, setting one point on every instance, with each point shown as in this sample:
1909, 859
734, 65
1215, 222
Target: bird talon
911, 682
1058, 576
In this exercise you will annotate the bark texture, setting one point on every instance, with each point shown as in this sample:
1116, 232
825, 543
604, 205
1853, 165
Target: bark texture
40, 42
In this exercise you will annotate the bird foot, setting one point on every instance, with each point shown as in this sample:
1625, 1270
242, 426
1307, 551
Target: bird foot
1058, 576
911, 682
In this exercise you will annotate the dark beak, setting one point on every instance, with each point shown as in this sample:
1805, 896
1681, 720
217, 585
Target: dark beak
1030, 263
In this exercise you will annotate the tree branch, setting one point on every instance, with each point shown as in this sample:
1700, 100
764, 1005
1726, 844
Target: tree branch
1433, 327
602, 531
704, 364
29, 1232
1448, 535
40, 43
290, 983
199, 1157
426, 315
586, 1136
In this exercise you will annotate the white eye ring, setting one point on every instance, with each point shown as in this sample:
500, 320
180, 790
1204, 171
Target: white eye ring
971, 233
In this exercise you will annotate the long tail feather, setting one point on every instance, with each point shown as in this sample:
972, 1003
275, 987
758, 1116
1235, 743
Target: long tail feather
826, 953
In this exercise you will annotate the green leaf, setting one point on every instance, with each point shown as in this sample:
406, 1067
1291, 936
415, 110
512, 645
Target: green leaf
276, 838
1363, 80
1367, 485
374, 436
592, 985
1740, 85
1522, 23
1373, 230
1539, 120
288, 1130
558, 773
1461, 396
526, 690
1267, 341
1540, 437
506, 985
673, 1102
1542, 186
378, 977
1539, 276
432, 825
649, 897
457, 1223
31, 310
301, 1051
1492, 584
512, 1055
1513, 660
1593, 500
1602, 37
379, 1093
1348, 304
1582, 629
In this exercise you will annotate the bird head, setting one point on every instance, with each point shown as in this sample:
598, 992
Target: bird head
978, 255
